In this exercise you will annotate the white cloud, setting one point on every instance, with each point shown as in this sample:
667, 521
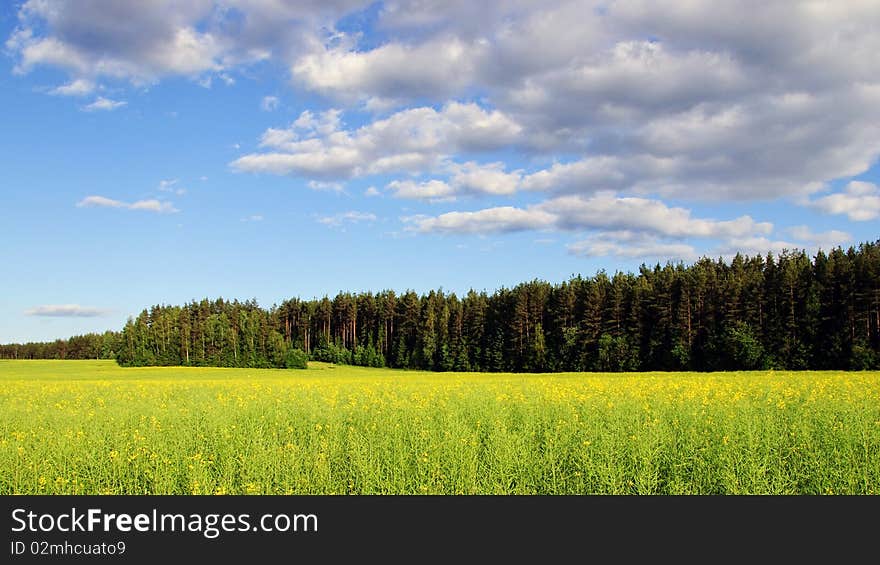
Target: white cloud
754, 246
775, 105
627, 247
269, 103
435, 69
253, 218
693, 100
78, 87
66, 311
491, 220
607, 211
104, 104
125, 39
821, 240
372, 191
490, 179
860, 201
100, 201
352, 217
432, 190
330, 186
413, 140
588, 175
472, 178
151, 205
604, 211
145, 41
310, 125
629, 228
626, 227
635, 244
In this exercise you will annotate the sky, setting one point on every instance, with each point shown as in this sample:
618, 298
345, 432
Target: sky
160, 152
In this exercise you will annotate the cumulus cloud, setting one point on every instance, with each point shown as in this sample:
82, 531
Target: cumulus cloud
127, 39
604, 211
490, 220
656, 100
819, 240
627, 245
615, 226
692, 100
102, 104
436, 68
860, 201
746, 152
603, 109
432, 190
269, 103
151, 205
66, 311
607, 211
413, 140
640, 245
488, 179
145, 41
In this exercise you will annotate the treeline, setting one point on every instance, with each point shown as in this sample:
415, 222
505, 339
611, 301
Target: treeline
787, 312
87, 346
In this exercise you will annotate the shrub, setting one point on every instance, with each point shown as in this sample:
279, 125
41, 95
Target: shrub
333, 353
742, 349
296, 359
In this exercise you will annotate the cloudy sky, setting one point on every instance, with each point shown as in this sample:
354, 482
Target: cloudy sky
158, 152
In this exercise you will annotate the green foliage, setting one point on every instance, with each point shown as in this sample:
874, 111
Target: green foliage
333, 353
863, 358
741, 348
681, 356
616, 354
368, 357
785, 312
296, 359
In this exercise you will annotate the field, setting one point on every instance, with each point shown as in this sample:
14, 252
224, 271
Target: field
90, 427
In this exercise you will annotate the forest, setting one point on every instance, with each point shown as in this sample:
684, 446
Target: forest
789, 311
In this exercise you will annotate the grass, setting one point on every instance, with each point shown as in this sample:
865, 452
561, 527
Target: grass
91, 427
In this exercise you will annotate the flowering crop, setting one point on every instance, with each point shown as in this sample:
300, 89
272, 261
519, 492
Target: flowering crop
90, 427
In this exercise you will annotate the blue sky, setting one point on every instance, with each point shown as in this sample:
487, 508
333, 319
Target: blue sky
162, 152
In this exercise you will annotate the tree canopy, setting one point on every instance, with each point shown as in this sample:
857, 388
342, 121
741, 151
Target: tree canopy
789, 311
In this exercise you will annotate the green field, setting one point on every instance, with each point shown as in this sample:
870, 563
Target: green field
91, 427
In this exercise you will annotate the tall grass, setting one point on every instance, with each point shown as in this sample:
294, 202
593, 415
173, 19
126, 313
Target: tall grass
90, 427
